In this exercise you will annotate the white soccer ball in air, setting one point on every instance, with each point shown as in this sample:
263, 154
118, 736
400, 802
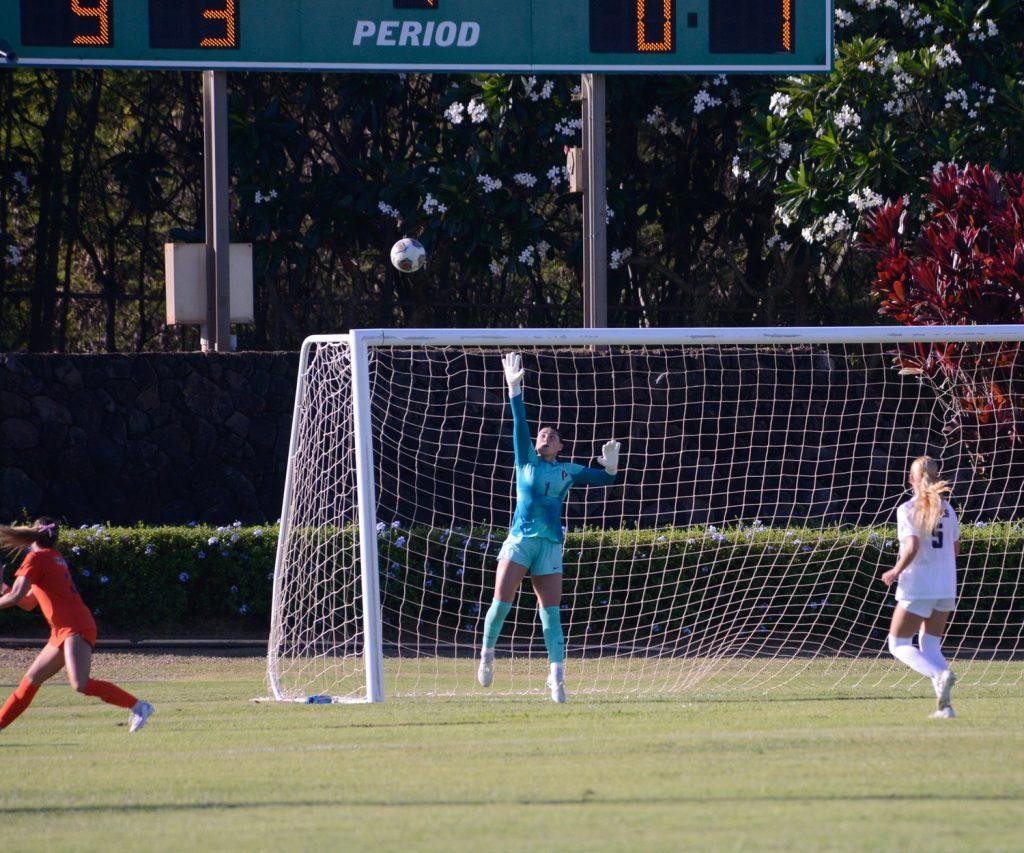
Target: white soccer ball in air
408, 255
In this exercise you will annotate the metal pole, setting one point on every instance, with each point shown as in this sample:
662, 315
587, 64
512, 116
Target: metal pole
595, 204
216, 333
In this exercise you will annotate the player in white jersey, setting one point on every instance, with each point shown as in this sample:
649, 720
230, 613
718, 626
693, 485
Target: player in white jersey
925, 578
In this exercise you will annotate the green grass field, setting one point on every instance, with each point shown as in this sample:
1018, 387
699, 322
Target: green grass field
791, 771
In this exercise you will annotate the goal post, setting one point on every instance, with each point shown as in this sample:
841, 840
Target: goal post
739, 549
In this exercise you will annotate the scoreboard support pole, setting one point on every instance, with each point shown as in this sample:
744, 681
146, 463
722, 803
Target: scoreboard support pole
595, 204
216, 332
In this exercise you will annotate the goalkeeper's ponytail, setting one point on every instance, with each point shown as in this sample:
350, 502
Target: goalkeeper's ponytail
929, 492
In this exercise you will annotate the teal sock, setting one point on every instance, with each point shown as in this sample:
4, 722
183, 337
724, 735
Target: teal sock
495, 618
554, 639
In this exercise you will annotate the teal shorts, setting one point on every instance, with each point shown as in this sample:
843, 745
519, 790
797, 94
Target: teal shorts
540, 556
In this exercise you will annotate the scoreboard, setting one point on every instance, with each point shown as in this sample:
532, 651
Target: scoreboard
640, 36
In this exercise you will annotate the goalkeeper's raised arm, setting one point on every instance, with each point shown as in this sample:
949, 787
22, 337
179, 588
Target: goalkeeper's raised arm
534, 543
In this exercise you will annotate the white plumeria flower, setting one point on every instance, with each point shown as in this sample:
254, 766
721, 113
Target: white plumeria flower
779, 104
846, 117
477, 111
618, 258
454, 112
488, 183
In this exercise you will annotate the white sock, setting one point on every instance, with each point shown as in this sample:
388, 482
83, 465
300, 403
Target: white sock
487, 655
903, 650
931, 648
557, 672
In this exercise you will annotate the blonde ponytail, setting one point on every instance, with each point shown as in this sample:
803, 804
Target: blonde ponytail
929, 493
43, 532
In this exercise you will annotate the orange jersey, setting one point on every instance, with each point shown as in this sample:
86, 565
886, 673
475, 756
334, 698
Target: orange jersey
56, 593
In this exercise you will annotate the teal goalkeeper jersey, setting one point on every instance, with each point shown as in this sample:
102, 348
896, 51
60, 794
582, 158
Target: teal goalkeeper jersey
541, 486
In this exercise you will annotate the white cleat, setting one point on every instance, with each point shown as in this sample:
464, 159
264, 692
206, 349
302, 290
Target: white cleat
557, 688
140, 713
943, 713
485, 673
943, 688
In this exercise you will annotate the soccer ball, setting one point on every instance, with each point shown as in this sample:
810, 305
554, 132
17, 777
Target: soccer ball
408, 255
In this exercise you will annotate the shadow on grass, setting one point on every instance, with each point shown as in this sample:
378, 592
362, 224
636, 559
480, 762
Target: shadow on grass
585, 800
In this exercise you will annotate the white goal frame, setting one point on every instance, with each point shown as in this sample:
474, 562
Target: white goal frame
361, 341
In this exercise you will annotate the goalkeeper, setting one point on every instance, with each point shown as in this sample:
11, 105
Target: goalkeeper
534, 542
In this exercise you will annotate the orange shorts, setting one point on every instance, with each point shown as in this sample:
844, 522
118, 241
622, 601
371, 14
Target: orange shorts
59, 635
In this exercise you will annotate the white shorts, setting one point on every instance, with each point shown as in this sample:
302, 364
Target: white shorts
923, 607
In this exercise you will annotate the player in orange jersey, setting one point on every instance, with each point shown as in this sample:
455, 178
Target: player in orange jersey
44, 578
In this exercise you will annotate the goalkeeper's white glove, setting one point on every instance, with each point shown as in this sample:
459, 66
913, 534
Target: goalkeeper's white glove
513, 364
609, 457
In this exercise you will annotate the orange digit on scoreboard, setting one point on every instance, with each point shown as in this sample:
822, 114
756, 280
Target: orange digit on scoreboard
642, 43
227, 15
101, 11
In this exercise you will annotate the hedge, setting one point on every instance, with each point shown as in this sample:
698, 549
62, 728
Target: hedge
639, 583
168, 579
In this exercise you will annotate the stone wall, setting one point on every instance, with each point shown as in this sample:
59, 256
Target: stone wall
708, 437
145, 437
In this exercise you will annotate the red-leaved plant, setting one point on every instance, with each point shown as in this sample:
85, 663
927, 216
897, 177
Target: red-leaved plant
965, 267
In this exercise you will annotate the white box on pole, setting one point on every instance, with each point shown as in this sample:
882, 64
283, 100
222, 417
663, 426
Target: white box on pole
185, 271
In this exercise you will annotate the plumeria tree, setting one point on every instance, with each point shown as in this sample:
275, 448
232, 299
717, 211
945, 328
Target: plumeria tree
916, 86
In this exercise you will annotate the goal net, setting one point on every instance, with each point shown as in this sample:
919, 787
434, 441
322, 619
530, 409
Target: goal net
740, 548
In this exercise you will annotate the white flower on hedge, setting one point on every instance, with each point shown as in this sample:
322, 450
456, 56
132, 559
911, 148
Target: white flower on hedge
526, 256
843, 18
846, 117
784, 217
477, 111
258, 533
779, 104
703, 100
785, 149
213, 540
542, 249
454, 112
488, 183
619, 257
720, 80
524, 179
609, 214
807, 234
864, 199
14, 256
